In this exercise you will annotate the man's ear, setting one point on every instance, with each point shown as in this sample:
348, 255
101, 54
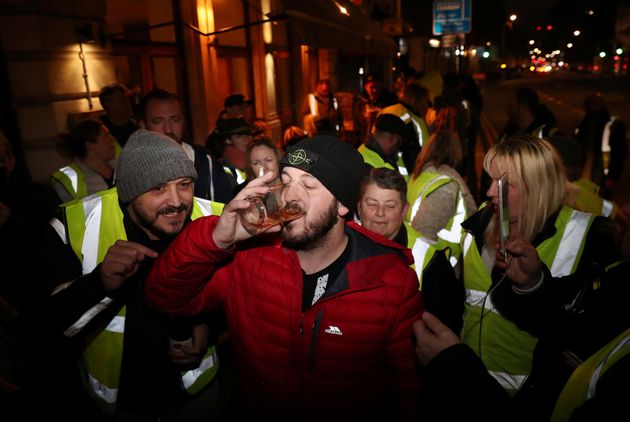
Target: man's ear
342, 210
142, 124
405, 208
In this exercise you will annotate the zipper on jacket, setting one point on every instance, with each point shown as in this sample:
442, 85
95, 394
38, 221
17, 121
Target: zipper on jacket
311, 354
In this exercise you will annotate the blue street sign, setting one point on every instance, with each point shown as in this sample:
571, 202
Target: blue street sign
451, 17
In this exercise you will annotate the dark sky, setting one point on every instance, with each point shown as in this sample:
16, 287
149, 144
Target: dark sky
565, 16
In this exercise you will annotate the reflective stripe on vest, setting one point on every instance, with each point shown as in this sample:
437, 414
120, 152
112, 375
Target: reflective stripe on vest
571, 244
102, 221
108, 395
417, 127
422, 254
89, 250
401, 166
116, 325
240, 175
582, 385
312, 105
210, 168
506, 350
72, 179
606, 141
336, 106
59, 228
607, 207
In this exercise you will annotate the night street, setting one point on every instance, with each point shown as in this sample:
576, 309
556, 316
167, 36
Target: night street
563, 93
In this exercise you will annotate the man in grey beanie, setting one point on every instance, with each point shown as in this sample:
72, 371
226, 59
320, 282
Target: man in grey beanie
129, 366
321, 315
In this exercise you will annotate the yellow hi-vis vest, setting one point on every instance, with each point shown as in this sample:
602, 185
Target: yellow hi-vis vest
589, 200
117, 148
583, 382
505, 350
72, 179
93, 225
419, 125
239, 175
372, 158
448, 237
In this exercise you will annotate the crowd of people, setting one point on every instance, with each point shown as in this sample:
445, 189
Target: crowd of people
407, 288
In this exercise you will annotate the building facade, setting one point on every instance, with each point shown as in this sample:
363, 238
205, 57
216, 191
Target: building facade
56, 55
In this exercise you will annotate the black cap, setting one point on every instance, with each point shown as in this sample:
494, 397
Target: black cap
336, 164
235, 99
235, 126
392, 124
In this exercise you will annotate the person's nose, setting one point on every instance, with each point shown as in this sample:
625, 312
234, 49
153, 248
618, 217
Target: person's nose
493, 189
380, 211
294, 192
168, 127
173, 196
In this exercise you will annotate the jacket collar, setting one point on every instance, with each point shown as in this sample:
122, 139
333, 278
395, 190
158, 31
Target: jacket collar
476, 224
367, 254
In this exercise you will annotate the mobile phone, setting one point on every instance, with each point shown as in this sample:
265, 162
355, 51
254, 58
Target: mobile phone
504, 214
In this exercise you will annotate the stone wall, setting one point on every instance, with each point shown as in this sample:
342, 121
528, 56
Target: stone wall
45, 72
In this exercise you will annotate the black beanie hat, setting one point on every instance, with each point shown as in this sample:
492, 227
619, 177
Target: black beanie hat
392, 124
336, 164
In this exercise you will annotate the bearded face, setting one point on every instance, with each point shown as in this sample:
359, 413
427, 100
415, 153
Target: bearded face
313, 233
163, 211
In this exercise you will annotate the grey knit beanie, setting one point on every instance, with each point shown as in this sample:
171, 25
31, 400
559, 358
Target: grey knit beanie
148, 160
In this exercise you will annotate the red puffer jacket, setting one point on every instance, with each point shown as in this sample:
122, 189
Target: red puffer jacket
345, 357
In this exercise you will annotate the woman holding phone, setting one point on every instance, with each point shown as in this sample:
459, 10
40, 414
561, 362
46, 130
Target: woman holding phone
499, 322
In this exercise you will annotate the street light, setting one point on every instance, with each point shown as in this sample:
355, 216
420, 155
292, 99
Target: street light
570, 45
508, 23
576, 33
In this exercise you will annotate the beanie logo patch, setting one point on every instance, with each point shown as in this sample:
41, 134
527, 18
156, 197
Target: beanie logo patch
297, 157
300, 157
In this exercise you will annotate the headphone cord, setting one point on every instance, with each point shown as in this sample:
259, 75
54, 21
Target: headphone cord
483, 307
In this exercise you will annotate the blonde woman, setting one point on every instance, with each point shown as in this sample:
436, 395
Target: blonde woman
551, 250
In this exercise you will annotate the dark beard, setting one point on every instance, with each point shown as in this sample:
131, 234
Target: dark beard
313, 235
149, 224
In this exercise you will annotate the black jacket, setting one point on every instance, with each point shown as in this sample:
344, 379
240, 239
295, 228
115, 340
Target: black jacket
571, 319
458, 386
150, 383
